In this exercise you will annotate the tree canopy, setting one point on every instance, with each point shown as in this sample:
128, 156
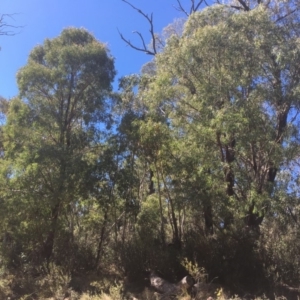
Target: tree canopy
191, 167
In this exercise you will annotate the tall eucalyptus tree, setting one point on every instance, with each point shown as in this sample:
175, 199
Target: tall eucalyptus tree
53, 134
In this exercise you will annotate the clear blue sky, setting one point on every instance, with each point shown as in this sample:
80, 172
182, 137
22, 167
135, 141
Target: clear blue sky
43, 19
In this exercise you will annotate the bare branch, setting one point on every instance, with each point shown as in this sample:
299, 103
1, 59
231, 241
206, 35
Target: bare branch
244, 5
286, 15
237, 7
180, 8
142, 38
135, 47
151, 30
5, 27
138, 10
152, 34
194, 6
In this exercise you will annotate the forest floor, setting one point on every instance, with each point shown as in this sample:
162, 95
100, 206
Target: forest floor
58, 286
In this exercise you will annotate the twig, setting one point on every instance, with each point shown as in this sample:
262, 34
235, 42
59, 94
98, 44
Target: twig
151, 30
180, 8
286, 15
4, 26
194, 7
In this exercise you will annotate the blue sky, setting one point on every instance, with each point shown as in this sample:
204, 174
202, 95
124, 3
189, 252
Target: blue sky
43, 19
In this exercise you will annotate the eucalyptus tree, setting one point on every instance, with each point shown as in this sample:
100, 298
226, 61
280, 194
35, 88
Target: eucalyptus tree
221, 105
53, 136
229, 87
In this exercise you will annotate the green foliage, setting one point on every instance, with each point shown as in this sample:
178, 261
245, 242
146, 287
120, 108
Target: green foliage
52, 144
148, 218
194, 170
199, 274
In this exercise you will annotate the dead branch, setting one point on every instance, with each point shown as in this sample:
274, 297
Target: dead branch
194, 7
244, 5
286, 15
236, 7
5, 27
144, 48
181, 8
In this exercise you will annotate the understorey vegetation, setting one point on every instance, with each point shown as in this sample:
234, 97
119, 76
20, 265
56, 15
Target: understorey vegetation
190, 170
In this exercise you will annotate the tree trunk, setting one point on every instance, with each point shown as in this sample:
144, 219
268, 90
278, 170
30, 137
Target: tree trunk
162, 227
48, 245
101, 239
176, 240
151, 183
229, 175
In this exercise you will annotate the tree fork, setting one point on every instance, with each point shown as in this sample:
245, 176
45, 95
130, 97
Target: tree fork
151, 30
194, 7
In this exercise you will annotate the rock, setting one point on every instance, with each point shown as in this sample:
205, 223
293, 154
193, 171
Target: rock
162, 285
